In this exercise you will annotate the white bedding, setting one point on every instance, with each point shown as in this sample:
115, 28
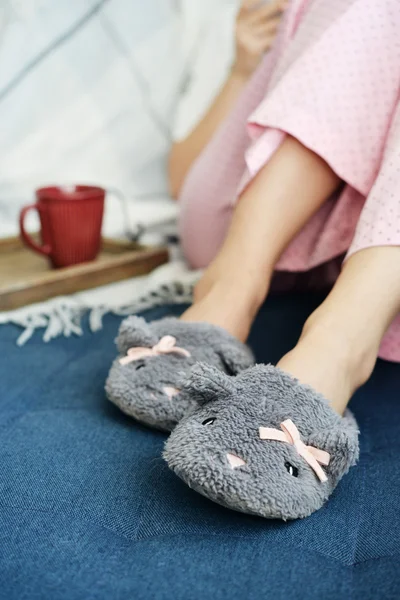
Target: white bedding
95, 91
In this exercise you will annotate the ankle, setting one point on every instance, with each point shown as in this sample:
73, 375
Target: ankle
354, 355
228, 303
248, 292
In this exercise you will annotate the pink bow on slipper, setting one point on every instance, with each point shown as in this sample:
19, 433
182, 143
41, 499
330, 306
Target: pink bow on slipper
165, 346
291, 435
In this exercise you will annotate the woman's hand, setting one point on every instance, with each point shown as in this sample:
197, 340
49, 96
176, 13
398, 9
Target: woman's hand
256, 27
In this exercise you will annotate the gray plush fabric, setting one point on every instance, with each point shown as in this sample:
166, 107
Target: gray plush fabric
138, 388
266, 485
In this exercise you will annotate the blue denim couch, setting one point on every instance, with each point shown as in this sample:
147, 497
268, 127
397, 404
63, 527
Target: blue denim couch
89, 510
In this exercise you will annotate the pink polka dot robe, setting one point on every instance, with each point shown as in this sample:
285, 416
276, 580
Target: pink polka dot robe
332, 80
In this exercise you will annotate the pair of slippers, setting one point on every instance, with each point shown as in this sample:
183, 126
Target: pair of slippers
249, 437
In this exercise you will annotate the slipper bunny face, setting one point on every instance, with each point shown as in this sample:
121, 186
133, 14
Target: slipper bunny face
146, 380
221, 452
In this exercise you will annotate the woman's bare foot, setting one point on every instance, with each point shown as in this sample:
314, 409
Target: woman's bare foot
339, 346
231, 303
329, 362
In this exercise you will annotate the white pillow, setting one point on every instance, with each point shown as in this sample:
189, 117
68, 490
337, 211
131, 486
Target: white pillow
209, 42
89, 95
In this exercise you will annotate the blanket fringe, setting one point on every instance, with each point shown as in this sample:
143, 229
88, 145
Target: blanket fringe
64, 316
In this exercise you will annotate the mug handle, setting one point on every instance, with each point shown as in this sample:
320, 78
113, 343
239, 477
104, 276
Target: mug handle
45, 249
132, 236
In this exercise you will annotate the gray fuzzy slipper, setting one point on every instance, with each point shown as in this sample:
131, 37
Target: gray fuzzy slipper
145, 380
261, 443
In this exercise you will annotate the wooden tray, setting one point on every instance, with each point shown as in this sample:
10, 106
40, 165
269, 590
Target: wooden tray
26, 277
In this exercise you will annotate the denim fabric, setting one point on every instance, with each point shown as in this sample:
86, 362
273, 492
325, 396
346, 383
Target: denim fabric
89, 510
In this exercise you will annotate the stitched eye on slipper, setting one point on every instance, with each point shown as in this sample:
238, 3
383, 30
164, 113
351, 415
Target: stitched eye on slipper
209, 421
139, 365
291, 469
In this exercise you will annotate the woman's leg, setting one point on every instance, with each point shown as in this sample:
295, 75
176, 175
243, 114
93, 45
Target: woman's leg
339, 345
273, 209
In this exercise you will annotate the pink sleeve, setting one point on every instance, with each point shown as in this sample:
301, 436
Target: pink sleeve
379, 223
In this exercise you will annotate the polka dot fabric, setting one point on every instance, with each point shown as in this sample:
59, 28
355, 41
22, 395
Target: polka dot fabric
379, 223
332, 81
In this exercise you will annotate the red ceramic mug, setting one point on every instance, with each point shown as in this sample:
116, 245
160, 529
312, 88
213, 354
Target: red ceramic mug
70, 219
